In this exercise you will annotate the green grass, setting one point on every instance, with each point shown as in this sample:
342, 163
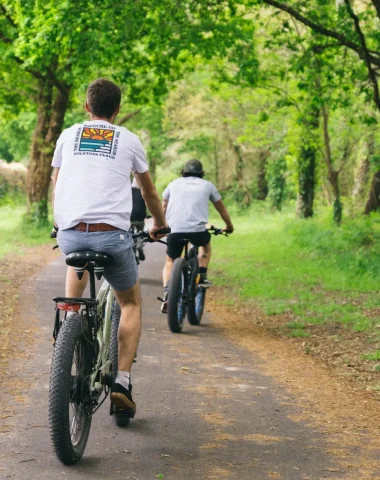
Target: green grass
14, 235
311, 268
375, 356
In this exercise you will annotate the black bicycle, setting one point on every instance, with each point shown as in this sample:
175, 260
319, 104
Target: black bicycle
85, 358
184, 293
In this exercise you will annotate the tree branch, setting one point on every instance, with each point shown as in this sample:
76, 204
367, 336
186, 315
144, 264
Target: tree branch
376, 4
128, 116
7, 16
317, 27
366, 54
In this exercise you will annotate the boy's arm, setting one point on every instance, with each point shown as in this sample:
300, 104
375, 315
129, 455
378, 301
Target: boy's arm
152, 200
221, 209
165, 204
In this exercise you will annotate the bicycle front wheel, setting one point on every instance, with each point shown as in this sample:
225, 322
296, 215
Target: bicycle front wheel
70, 405
176, 296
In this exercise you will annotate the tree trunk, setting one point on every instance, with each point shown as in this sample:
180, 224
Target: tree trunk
362, 174
262, 183
333, 175
306, 163
373, 202
49, 125
243, 195
306, 180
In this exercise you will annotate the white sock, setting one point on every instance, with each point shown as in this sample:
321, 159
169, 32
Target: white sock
123, 378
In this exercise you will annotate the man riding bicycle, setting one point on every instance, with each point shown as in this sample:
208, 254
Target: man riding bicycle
92, 206
185, 203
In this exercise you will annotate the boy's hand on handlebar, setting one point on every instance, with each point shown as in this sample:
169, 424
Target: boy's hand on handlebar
156, 233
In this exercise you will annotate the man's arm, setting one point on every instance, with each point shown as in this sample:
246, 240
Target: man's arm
221, 209
152, 200
165, 205
55, 178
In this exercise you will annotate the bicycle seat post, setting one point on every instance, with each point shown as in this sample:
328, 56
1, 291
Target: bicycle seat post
91, 273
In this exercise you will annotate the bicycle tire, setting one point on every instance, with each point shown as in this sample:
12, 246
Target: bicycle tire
70, 340
120, 420
176, 307
193, 316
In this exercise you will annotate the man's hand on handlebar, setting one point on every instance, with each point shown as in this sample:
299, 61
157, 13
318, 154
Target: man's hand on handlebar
228, 229
156, 233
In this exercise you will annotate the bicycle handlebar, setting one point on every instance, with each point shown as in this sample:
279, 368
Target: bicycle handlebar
145, 236
218, 231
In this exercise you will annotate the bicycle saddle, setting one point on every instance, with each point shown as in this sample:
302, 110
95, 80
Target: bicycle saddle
80, 259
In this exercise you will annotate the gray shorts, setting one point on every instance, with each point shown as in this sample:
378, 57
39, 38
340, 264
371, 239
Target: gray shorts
122, 275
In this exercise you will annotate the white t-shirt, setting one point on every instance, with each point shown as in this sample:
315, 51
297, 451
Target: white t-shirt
96, 159
188, 199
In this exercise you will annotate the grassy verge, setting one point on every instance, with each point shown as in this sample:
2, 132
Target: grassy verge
314, 271
14, 235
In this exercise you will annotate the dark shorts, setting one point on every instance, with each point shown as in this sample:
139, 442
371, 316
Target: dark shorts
176, 241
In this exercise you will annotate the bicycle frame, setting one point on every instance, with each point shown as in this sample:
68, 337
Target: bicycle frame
105, 299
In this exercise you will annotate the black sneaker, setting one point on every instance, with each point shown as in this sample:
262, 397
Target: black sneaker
141, 254
121, 399
204, 281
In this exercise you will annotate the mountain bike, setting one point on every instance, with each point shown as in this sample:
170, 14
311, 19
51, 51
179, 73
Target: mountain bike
85, 358
184, 293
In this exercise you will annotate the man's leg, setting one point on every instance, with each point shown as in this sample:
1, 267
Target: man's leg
167, 270
130, 326
128, 340
75, 287
165, 279
204, 257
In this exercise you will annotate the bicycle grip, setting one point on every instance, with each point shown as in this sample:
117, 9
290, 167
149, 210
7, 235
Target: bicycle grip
163, 231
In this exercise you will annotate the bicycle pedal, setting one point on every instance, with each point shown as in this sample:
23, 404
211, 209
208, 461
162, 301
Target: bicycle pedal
121, 412
160, 299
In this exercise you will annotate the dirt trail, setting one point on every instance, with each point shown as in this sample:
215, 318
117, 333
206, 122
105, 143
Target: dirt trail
347, 414
222, 401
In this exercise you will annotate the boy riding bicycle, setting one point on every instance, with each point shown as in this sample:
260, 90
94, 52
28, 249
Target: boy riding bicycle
185, 203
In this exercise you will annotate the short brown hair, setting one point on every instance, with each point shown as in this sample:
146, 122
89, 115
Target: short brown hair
103, 97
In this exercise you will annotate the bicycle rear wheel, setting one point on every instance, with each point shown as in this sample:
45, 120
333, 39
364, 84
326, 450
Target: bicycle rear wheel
196, 306
70, 404
176, 303
120, 420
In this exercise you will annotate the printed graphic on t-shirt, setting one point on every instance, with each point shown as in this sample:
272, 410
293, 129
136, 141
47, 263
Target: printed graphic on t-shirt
96, 140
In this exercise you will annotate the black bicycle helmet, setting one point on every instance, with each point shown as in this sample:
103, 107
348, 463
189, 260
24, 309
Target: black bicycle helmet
193, 167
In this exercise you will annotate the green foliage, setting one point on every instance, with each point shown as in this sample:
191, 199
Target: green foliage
310, 268
15, 235
10, 196
276, 182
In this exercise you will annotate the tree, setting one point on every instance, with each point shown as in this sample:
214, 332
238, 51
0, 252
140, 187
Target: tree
145, 45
